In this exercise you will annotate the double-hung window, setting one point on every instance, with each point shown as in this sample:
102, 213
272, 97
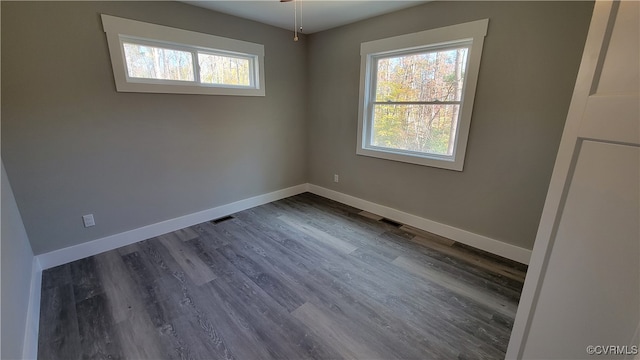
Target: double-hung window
153, 58
416, 95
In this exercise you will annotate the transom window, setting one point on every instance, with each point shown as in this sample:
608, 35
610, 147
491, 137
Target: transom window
154, 58
147, 61
417, 95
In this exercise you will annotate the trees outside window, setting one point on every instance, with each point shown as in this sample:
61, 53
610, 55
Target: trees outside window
418, 100
151, 58
416, 95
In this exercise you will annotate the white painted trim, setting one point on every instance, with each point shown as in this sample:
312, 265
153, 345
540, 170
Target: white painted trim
562, 172
469, 30
76, 252
635, 340
471, 35
481, 242
80, 251
30, 345
116, 28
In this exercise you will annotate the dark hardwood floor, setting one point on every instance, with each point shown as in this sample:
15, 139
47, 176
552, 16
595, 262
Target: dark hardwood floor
300, 278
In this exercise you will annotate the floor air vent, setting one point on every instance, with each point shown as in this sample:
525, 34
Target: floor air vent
390, 222
222, 219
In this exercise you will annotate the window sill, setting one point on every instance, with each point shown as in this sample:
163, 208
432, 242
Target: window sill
442, 162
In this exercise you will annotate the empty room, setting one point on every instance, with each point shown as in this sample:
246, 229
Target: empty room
311, 179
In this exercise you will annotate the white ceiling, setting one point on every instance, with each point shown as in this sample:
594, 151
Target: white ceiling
317, 15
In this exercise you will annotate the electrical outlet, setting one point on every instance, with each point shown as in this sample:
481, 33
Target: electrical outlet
88, 220
336, 178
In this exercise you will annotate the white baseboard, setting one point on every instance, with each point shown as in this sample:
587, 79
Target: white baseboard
30, 345
481, 242
635, 340
76, 252
80, 251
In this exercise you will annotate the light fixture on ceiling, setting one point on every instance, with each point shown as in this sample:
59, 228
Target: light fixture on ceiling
296, 29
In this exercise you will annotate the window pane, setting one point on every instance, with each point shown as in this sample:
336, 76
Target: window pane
421, 128
428, 76
150, 62
216, 69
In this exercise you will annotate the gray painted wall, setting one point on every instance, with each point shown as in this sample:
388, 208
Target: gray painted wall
530, 60
72, 145
17, 260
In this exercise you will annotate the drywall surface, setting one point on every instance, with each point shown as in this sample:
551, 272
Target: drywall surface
529, 65
72, 145
17, 260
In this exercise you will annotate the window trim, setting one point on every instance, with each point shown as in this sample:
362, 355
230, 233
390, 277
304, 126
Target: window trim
473, 32
119, 30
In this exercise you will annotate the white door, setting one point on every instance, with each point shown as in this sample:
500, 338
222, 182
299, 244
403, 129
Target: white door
581, 298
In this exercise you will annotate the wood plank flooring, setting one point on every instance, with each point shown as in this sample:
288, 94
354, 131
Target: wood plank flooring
299, 278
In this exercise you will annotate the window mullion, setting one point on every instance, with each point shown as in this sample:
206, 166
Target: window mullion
150, 58
196, 67
436, 64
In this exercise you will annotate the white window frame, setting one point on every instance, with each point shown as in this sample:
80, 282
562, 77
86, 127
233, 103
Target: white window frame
120, 30
469, 34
